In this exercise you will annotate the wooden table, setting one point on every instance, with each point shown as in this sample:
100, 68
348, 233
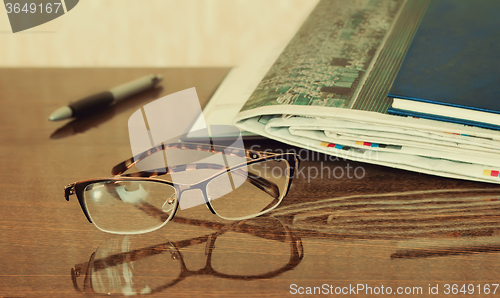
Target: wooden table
384, 230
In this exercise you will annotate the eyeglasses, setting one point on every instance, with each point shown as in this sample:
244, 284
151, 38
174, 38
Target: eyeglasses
138, 203
151, 265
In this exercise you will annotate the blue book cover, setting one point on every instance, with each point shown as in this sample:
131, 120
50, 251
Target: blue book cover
454, 57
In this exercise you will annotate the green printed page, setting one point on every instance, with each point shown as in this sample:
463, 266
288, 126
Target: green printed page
345, 55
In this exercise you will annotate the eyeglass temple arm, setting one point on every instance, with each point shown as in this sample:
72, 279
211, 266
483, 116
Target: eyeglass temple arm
127, 164
263, 184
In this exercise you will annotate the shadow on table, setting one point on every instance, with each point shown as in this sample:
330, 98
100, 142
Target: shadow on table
260, 248
82, 124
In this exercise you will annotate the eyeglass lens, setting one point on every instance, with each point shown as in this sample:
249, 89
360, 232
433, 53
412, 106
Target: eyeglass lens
129, 206
134, 207
239, 197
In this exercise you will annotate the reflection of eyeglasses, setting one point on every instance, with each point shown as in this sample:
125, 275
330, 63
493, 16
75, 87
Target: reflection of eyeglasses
137, 203
112, 269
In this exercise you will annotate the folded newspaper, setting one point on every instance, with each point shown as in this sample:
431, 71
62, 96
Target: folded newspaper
327, 91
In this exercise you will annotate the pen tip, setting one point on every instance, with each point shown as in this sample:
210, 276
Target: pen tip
61, 114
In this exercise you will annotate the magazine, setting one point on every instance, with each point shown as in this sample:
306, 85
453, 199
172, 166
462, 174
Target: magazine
327, 91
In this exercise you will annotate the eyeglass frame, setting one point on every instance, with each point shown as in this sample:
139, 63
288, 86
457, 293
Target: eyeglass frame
78, 187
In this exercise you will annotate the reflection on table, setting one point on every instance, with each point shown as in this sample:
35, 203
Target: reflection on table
143, 264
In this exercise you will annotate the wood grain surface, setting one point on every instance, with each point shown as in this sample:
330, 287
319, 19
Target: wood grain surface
381, 227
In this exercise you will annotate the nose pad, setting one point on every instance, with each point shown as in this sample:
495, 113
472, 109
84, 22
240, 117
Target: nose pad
169, 203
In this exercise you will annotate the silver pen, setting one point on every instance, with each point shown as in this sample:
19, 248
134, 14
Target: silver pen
87, 105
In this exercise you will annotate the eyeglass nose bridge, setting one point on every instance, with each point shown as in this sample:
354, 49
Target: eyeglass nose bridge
203, 189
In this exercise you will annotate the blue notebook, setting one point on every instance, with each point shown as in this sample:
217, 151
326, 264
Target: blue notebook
452, 67
442, 118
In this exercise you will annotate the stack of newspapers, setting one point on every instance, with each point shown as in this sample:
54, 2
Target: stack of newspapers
327, 91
